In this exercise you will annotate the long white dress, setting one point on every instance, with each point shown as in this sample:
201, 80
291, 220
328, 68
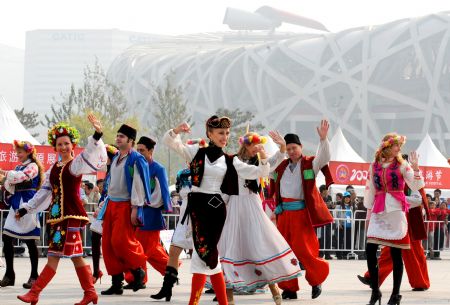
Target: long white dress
252, 251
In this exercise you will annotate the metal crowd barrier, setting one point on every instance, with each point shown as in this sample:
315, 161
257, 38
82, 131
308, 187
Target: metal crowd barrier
171, 222
345, 237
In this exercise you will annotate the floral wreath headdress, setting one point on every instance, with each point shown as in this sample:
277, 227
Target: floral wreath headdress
252, 138
395, 139
25, 145
61, 130
111, 150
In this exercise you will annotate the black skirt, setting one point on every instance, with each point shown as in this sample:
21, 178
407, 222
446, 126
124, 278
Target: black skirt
207, 213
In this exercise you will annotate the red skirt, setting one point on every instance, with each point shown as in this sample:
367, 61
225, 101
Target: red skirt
65, 238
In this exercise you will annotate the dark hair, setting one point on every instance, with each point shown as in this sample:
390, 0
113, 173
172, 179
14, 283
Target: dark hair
89, 185
438, 190
216, 122
349, 187
322, 188
100, 181
340, 195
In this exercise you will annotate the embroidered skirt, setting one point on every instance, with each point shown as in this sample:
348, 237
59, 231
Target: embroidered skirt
65, 238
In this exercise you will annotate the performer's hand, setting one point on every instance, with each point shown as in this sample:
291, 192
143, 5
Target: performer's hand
414, 160
134, 219
261, 151
278, 139
323, 129
95, 123
183, 127
20, 213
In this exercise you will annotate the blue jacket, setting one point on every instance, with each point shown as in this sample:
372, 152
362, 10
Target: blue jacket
153, 219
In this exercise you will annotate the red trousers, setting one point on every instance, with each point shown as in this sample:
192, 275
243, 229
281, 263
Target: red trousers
415, 264
296, 228
121, 250
153, 249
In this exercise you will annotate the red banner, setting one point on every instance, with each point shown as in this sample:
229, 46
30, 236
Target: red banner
46, 154
356, 174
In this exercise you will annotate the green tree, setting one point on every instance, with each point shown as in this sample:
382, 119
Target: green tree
97, 94
240, 120
29, 120
168, 108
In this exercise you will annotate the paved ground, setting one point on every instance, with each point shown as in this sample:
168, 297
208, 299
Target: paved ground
342, 287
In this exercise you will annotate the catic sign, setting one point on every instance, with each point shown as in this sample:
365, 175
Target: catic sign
356, 174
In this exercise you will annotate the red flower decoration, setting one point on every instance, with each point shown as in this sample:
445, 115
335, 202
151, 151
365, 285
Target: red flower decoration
235, 273
258, 272
202, 250
294, 262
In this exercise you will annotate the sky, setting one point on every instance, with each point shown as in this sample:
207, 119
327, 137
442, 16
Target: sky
192, 16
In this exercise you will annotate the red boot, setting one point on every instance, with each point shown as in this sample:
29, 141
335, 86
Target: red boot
85, 276
44, 278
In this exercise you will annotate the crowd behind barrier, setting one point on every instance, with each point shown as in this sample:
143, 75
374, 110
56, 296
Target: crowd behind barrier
345, 238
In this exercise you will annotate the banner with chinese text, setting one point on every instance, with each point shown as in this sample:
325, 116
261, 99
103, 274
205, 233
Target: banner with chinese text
356, 174
46, 154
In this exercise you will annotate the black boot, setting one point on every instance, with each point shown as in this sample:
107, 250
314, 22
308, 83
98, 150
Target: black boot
170, 278
8, 280
316, 291
292, 295
139, 276
375, 297
116, 287
395, 299
364, 280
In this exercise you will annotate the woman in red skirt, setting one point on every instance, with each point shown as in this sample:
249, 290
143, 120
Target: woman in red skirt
67, 216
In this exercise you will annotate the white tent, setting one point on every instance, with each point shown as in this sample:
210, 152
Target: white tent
429, 154
341, 150
10, 127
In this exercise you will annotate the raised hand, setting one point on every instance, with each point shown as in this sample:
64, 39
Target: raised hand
183, 127
322, 130
95, 123
414, 160
277, 138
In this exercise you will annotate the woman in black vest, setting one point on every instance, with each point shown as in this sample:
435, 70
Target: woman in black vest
214, 175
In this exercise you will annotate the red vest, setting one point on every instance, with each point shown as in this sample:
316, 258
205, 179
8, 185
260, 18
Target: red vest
316, 207
416, 225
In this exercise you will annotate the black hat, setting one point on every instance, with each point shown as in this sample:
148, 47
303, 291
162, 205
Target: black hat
291, 138
129, 131
149, 143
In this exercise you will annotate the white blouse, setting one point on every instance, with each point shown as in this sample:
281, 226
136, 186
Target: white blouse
415, 183
92, 158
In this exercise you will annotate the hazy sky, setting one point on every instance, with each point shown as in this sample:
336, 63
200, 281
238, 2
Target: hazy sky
190, 16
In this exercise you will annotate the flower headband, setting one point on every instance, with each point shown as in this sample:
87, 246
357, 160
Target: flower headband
61, 130
201, 142
216, 122
27, 146
111, 150
397, 139
253, 139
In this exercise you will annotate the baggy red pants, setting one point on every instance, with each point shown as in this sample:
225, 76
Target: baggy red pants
121, 250
154, 250
296, 228
415, 264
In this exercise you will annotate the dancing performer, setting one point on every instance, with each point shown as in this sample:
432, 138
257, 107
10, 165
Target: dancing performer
214, 175
252, 251
415, 260
300, 208
387, 207
97, 224
128, 188
61, 191
181, 239
149, 234
22, 183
